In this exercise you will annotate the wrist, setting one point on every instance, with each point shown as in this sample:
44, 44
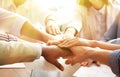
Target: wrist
70, 30
50, 18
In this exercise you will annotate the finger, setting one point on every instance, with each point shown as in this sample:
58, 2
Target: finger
58, 30
63, 44
84, 63
97, 63
53, 30
67, 62
67, 43
90, 63
53, 42
71, 61
58, 65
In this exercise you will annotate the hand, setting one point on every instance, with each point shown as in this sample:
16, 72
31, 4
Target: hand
89, 62
81, 53
70, 42
53, 28
52, 53
64, 43
67, 36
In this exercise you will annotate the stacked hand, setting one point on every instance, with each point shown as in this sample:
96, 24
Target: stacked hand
78, 46
52, 53
70, 42
81, 55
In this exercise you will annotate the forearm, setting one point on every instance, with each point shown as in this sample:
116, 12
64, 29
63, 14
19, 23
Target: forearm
13, 52
105, 45
100, 55
29, 30
110, 58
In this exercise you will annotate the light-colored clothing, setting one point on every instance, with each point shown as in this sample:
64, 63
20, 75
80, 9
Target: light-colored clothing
15, 50
11, 22
31, 9
62, 12
95, 23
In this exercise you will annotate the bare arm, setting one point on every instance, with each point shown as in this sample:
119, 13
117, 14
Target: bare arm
81, 53
105, 45
29, 30
68, 43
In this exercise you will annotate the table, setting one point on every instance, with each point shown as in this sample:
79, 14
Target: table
21, 72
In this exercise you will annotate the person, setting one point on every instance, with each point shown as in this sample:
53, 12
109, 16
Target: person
58, 22
68, 43
108, 57
14, 50
20, 26
113, 32
30, 31
67, 72
96, 17
84, 49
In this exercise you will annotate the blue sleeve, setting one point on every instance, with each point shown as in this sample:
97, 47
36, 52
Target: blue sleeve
114, 61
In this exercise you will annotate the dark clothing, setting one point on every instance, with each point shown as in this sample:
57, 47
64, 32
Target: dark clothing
115, 62
115, 58
114, 30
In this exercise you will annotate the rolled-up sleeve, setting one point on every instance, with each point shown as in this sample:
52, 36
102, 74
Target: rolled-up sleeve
114, 61
20, 51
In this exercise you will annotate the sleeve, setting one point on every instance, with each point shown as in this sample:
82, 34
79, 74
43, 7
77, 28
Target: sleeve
74, 24
20, 51
114, 61
112, 32
11, 22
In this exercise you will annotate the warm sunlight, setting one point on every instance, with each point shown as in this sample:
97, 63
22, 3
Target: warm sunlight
18, 2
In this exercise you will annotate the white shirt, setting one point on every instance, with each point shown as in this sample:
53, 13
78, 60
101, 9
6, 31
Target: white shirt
11, 22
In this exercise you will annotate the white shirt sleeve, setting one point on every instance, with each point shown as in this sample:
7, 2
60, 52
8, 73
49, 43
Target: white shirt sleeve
19, 51
11, 22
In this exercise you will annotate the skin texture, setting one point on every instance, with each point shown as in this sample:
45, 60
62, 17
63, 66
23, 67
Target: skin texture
82, 53
52, 53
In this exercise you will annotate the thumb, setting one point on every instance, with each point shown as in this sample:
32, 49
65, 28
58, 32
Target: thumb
58, 65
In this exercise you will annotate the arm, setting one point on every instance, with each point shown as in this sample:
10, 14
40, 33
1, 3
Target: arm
30, 31
18, 25
108, 57
18, 51
72, 29
51, 25
105, 45
23, 51
81, 53
67, 43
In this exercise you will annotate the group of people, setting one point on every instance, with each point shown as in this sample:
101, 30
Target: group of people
98, 20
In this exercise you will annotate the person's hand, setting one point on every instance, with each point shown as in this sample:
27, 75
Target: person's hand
52, 28
80, 54
52, 53
67, 36
89, 62
70, 42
